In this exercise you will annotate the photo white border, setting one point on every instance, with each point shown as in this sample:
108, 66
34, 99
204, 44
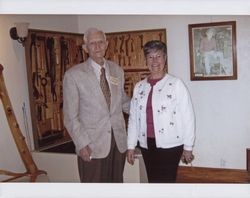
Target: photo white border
139, 7
71, 190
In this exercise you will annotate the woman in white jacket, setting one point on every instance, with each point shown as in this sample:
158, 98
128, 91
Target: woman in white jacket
161, 119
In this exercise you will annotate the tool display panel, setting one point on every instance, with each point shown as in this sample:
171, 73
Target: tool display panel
48, 55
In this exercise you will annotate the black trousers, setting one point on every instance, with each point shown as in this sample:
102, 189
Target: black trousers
161, 164
105, 170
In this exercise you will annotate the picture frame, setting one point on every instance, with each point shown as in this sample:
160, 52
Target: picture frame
212, 50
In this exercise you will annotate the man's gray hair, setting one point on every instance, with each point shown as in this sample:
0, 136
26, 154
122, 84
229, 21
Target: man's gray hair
90, 31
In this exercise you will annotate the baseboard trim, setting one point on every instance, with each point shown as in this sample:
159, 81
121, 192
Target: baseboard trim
188, 174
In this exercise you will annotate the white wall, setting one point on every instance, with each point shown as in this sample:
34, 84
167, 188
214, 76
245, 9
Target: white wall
222, 107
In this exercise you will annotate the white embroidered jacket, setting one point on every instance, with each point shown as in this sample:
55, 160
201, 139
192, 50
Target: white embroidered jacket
173, 115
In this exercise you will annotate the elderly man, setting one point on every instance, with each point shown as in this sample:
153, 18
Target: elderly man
94, 102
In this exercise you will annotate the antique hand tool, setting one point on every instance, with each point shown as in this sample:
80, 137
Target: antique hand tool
122, 42
132, 45
44, 83
64, 56
52, 63
36, 93
126, 44
129, 60
141, 38
33, 57
116, 43
43, 39
119, 58
80, 53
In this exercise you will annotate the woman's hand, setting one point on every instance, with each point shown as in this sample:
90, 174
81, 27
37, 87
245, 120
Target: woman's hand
187, 157
131, 156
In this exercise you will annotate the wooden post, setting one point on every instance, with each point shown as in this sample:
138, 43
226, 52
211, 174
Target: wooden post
31, 168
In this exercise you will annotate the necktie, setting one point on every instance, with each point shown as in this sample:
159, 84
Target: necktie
105, 86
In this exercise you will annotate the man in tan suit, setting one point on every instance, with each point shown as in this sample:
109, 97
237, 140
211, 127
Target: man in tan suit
94, 120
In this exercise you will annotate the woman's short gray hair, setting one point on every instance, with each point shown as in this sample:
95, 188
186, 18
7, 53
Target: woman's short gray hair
154, 45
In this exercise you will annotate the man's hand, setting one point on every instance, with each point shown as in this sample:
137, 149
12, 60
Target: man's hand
131, 156
85, 154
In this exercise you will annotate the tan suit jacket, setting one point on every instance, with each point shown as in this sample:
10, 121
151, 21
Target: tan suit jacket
86, 114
